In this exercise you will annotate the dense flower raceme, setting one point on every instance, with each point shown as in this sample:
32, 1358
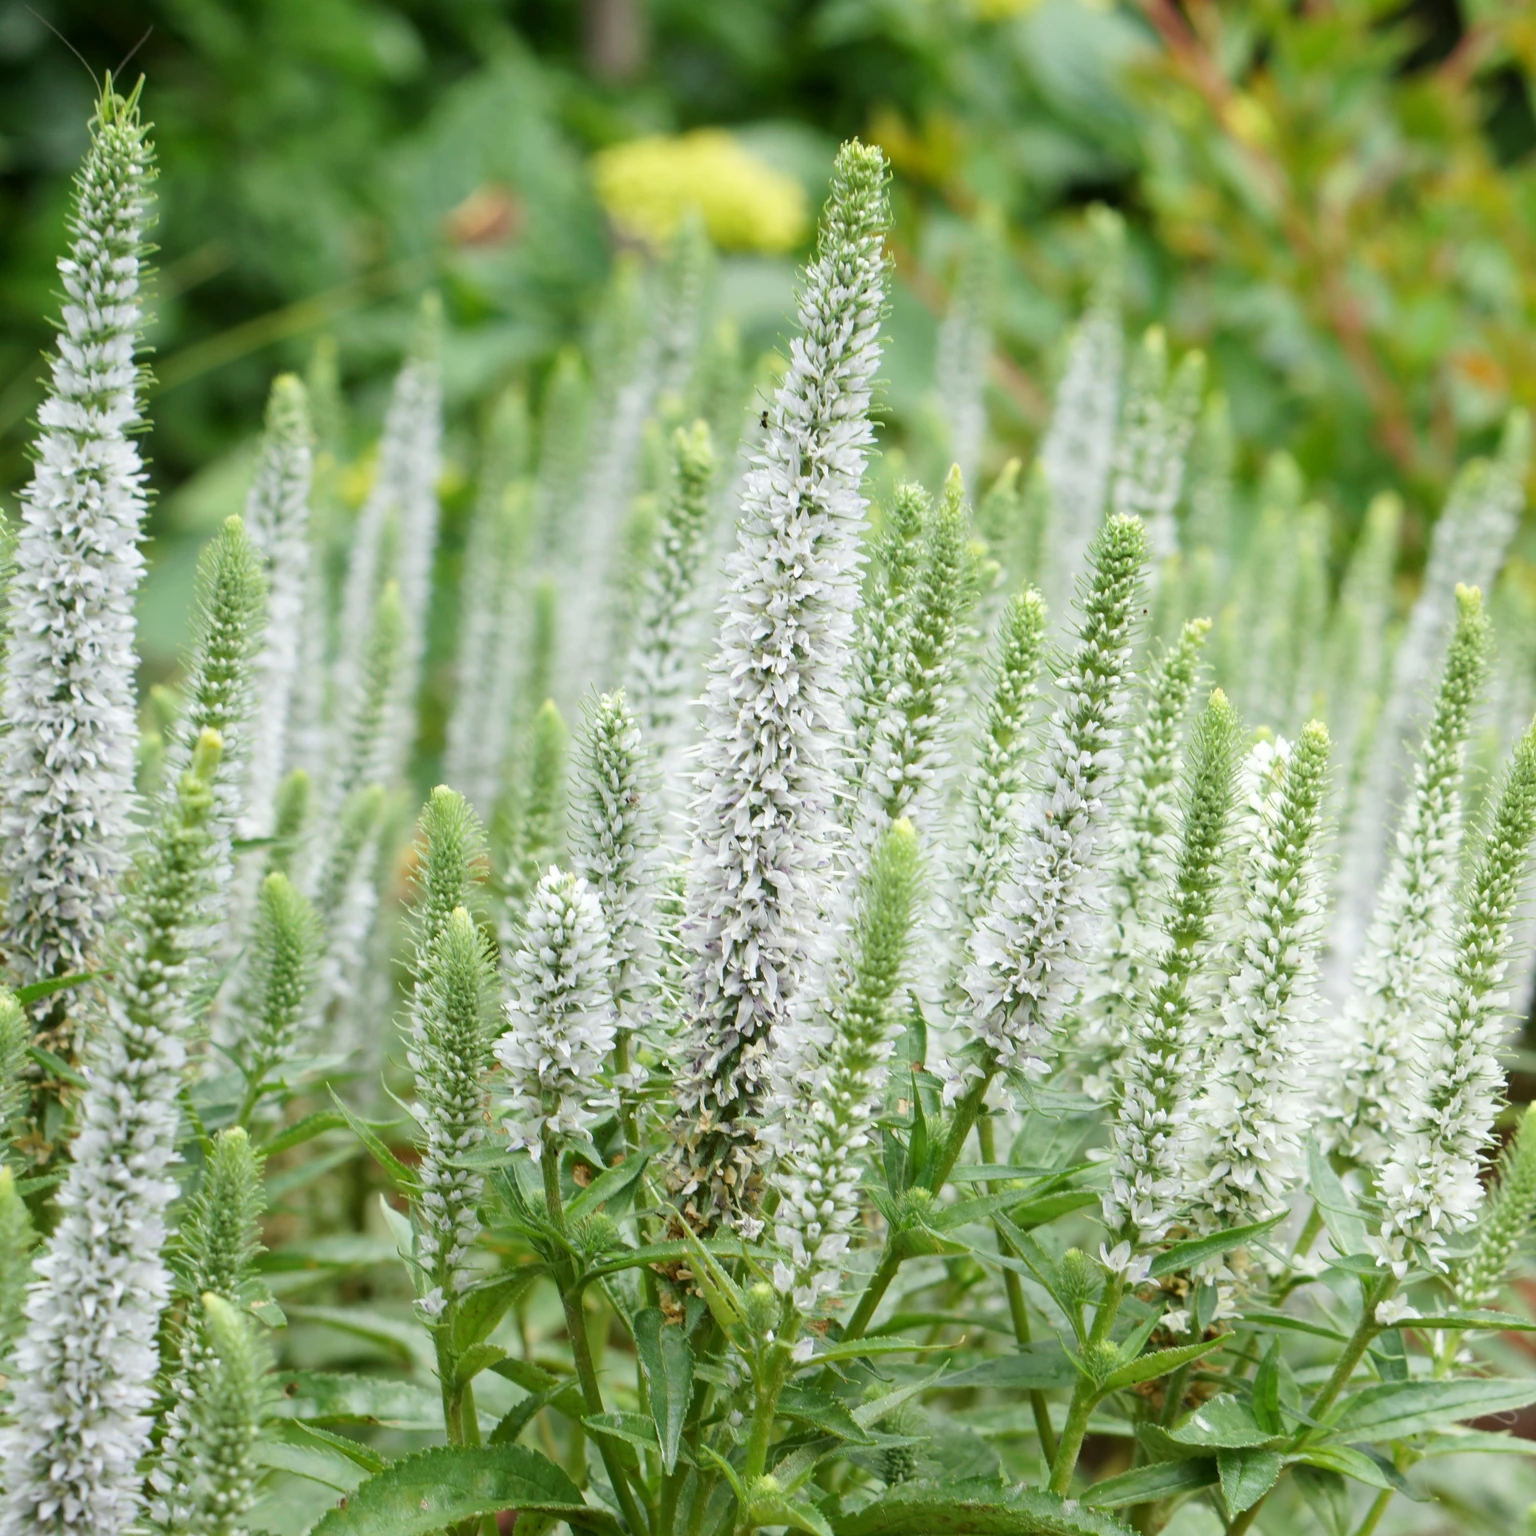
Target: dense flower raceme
773, 706
759, 1158
1029, 947
69, 684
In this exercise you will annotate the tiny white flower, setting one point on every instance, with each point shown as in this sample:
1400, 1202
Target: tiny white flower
1394, 1310
803, 1350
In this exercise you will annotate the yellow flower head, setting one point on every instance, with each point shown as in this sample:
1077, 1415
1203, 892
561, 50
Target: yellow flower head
648, 184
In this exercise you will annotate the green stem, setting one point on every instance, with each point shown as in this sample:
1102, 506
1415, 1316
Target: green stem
874, 1293
769, 1384
1375, 1512
627, 1102
1086, 1393
1360, 1341
961, 1121
1018, 1309
581, 1347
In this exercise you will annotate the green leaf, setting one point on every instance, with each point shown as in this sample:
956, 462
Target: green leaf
326, 1397
1340, 1215
666, 1361
1246, 1476
1159, 1363
1261, 1318
861, 1349
1165, 1480
300, 1131
631, 1428
721, 1294
1394, 1409
774, 1509
1328, 1495
1452, 1322
1187, 1254
35, 991
822, 1411
974, 1508
520, 1415
55, 1066
608, 1186
403, 1337
319, 1463
1456, 1441
1224, 1423
560, 1392
1042, 1364
1347, 1461
1266, 1391
477, 1358
399, 1175
421, 1494
478, 1310
1038, 1262
799, 1465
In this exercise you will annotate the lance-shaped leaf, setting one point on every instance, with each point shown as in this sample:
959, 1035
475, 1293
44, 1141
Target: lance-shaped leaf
975, 1507
666, 1363
1394, 1409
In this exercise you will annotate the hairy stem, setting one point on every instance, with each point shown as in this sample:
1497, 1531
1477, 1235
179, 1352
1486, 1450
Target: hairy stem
1086, 1393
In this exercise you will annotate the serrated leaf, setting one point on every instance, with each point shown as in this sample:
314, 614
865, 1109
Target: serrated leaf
632, 1428
1165, 1480
1266, 1391
329, 1397
399, 1175
1328, 1496
610, 1185
1246, 1476
1159, 1363
317, 1124
1395, 1409
1457, 1322
975, 1508
481, 1307
1042, 1364
799, 1465
1348, 1461
477, 1358
1340, 1215
520, 1415
1187, 1254
797, 1516
922, 1242
561, 1392
822, 1411
421, 1494
666, 1360
1224, 1423
721, 1294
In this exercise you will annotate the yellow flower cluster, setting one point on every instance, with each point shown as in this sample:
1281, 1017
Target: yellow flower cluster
648, 184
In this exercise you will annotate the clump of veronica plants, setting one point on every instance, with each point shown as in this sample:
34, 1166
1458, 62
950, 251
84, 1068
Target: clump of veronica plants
949, 1040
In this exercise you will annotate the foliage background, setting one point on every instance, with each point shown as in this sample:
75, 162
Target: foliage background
1337, 201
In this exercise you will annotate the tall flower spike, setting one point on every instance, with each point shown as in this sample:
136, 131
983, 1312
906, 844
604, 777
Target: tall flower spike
832, 1111
1157, 1077
364, 753
83, 1373
1077, 450
881, 625
66, 765
908, 749
396, 539
1401, 974
491, 601
214, 1254
1481, 1275
1430, 1185
278, 995
15, 1037
614, 840
1155, 433
773, 706
965, 344
346, 895
1142, 866
449, 1050
1251, 1117
277, 523
662, 664
225, 1417
997, 793
1467, 547
1028, 948
560, 1016
17, 1240
530, 833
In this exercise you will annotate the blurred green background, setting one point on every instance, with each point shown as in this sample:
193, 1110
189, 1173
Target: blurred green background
1336, 200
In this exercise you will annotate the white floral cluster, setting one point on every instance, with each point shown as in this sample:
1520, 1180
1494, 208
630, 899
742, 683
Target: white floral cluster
1028, 950
84, 1370
67, 758
1077, 452
560, 1016
277, 523
614, 842
1250, 1120
773, 710
1430, 1186
1407, 953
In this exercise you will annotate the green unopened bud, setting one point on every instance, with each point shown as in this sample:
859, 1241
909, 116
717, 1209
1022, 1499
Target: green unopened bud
763, 1311
1081, 1277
